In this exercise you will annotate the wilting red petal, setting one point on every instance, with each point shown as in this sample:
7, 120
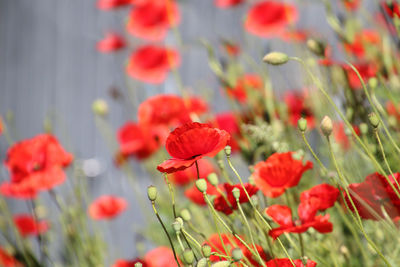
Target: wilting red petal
161, 256
107, 207
197, 197
112, 42
227, 3
27, 225
8, 260
270, 18
280, 214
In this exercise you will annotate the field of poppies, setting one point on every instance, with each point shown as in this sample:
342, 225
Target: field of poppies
302, 177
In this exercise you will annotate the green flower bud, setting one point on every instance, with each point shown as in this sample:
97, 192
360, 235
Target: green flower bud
188, 256
202, 262
302, 125
373, 82
201, 185
228, 151
185, 214
392, 121
236, 193
213, 179
326, 126
138, 264
276, 58
363, 128
206, 250
373, 119
100, 107
152, 193
237, 254
221, 264
316, 47
177, 224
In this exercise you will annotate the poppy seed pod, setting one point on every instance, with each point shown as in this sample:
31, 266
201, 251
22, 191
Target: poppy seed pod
236, 193
237, 254
276, 58
213, 179
201, 185
326, 126
202, 262
302, 125
152, 193
100, 107
185, 214
228, 151
177, 224
373, 119
188, 256
206, 250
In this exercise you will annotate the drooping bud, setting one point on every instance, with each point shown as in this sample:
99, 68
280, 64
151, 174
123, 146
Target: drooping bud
302, 125
326, 126
152, 193
100, 107
363, 128
185, 214
188, 256
237, 254
373, 119
228, 151
236, 193
317, 47
276, 58
201, 185
206, 250
213, 179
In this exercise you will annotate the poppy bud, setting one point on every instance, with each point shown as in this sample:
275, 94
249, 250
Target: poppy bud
138, 264
188, 256
316, 47
152, 193
221, 264
206, 250
213, 178
326, 126
373, 119
363, 128
373, 82
185, 214
302, 125
177, 224
100, 107
236, 193
237, 254
228, 151
201, 185
202, 262
276, 58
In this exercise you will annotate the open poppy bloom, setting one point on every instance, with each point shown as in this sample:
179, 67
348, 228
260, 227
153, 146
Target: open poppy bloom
191, 142
363, 40
307, 218
230, 242
270, 18
243, 85
298, 108
8, 260
112, 42
35, 164
112, 4
161, 256
366, 70
323, 196
279, 172
107, 207
127, 263
28, 226
197, 197
285, 262
227, 3
373, 195
221, 202
151, 63
152, 19
188, 175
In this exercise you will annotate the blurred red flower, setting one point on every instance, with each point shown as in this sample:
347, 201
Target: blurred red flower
231, 242
352, 5
8, 260
28, 226
243, 85
286, 263
279, 172
392, 8
270, 18
1, 126
363, 40
227, 3
191, 142
188, 175
227, 121
197, 197
366, 70
231, 48
112, 4
298, 108
107, 207
283, 216
151, 63
127, 263
152, 19
112, 42
35, 164
161, 256
341, 136
393, 110
221, 202
196, 105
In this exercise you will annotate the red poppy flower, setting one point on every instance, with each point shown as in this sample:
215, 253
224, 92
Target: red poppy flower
151, 63
221, 202
279, 172
8, 260
283, 216
392, 8
230, 242
373, 194
196, 105
286, 263
28, 226
351, 5
161, 256
112, 42
191, 142
341, 136
270, 18
197, 197
152, 19
112, 4
366, 70
243, 85
188, 175
362, 40
298, 108
393, 110
35, 164
324, 194
227, 3
126, 263
107, 207
227, 121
